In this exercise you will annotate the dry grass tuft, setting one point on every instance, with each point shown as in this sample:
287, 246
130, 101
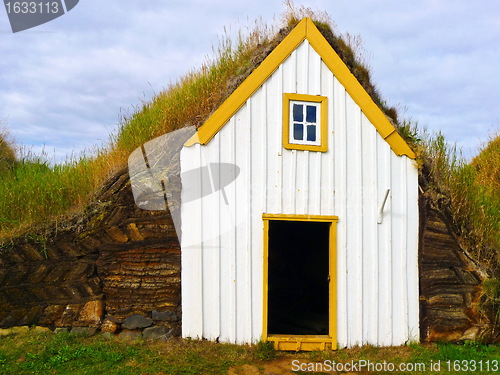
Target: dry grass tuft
7, 154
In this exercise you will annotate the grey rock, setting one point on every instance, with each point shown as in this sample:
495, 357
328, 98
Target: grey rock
157, 333
166, 316
61, 330
136, 321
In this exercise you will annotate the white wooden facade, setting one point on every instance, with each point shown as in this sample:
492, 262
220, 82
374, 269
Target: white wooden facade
222, 244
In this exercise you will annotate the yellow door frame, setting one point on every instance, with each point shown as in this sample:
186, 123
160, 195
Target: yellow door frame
304, 342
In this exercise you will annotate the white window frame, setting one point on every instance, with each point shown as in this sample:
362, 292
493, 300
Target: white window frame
305, 123
321, 105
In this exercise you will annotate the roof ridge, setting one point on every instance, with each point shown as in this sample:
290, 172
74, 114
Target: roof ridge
304, 30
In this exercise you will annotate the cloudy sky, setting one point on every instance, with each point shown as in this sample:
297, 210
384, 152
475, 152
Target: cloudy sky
65, 84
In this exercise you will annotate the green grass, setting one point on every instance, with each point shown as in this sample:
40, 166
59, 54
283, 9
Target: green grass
35, 190
7, 153
33, 352
65, 353
467, 193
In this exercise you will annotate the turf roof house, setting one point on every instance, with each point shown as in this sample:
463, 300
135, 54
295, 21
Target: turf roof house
301, 247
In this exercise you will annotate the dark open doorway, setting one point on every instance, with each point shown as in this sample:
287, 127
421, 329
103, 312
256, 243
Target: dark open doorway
298, 284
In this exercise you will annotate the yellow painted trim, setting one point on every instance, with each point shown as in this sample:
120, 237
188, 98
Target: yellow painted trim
299, 217
333, 283
305, 29
323, 100
304, 342
246, 89
356, 91
266, 280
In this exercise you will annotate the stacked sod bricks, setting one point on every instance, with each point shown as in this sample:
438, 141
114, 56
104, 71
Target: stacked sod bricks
112, 263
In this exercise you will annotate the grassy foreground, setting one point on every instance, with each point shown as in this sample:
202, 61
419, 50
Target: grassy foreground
34, 352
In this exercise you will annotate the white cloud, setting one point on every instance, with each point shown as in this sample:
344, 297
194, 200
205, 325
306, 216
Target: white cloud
436, 58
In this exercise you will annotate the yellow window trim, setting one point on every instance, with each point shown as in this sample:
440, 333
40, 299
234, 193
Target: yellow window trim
292, 217
323, 122
305, 29
304, 342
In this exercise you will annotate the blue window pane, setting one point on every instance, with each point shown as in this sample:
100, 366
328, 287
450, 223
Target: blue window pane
298, 132
311, 113
311, 133
298, 112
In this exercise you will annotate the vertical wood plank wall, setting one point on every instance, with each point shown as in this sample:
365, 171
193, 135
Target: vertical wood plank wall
222, 245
